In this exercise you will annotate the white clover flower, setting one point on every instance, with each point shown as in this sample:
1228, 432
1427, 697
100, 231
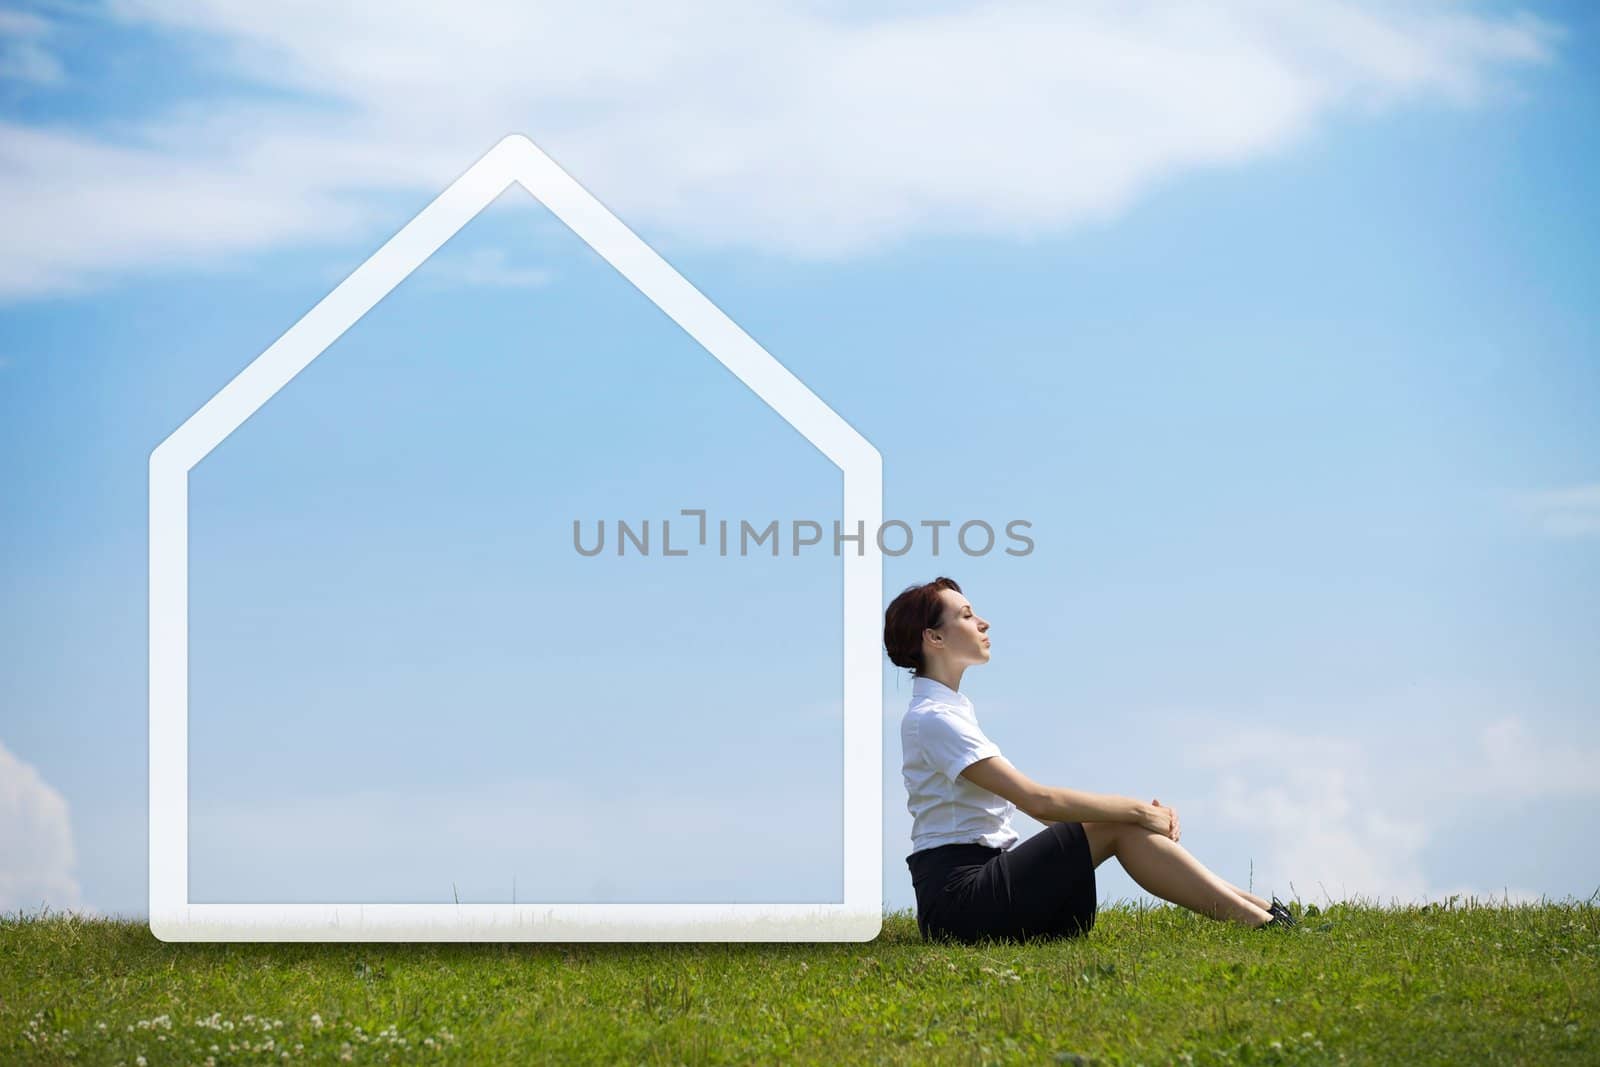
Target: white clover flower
139, 1061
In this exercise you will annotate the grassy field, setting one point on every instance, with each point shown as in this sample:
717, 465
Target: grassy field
1444, 984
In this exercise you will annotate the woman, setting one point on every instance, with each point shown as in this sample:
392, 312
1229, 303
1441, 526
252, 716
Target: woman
972, 879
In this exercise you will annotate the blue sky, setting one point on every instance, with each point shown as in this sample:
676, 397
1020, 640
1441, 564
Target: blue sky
1278, 329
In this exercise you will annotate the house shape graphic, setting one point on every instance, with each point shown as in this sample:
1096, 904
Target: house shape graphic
858, 917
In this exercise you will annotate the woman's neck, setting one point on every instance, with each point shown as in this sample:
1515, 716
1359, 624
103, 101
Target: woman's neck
945, 676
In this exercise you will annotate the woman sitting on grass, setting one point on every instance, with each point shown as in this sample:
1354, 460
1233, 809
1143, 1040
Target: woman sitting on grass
972, 879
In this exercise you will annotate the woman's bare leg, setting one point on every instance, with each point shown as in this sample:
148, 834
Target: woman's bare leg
1163, 867
1251, 897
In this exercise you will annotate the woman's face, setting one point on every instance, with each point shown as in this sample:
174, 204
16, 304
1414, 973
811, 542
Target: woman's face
963, 633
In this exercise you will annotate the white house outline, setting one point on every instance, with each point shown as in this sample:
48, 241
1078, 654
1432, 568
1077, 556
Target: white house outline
514, 159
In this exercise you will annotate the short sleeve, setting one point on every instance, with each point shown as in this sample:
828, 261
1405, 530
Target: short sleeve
952, 742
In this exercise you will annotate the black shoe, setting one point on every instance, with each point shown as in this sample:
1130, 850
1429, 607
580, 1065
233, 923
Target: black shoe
1280, 910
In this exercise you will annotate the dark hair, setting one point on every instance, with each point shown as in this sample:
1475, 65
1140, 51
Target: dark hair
917, 608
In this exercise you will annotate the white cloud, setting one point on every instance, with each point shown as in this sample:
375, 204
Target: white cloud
561, 839
1347, 820
23, 54
67, 224
784, 127
1518, 766
1568, 512
36, 851
1314, 806
488, 267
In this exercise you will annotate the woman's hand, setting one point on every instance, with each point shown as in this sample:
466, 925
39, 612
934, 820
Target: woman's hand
1159, 818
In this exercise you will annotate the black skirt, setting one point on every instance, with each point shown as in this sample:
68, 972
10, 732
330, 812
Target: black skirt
1040, 888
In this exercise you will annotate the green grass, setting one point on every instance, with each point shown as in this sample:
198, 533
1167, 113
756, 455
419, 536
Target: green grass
1454, 984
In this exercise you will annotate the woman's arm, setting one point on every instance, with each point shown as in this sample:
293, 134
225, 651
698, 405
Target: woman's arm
1055, 804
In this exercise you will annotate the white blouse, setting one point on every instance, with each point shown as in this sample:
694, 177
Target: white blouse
939, 737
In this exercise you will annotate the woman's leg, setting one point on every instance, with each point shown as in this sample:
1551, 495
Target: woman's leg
1163, 867
1251, 897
